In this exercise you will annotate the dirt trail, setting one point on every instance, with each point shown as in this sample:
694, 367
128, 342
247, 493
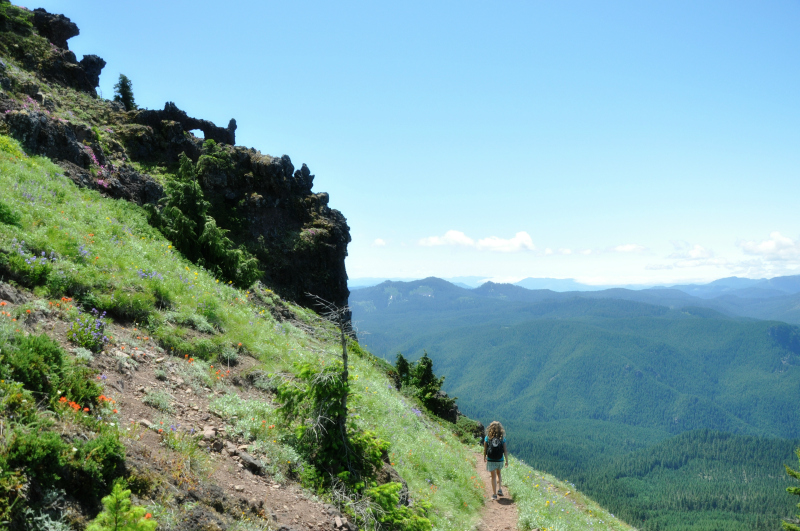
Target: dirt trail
499, 514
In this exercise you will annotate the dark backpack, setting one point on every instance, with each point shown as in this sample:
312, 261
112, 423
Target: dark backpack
494, 449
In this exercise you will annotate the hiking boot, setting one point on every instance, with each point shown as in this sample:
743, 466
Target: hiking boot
494, 496
499, 492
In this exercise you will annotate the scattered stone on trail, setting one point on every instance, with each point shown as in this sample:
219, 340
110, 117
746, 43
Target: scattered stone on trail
243, 447
231, 448
238, 488
146, 423
159, 360
209, 432
251, 463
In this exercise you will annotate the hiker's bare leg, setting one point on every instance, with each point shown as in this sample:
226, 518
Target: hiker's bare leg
499, 479
494, 485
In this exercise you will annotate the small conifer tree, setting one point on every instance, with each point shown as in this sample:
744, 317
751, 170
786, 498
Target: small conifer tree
793, 490
123, 92
120, 515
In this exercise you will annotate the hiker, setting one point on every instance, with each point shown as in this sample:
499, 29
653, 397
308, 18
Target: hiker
494, 448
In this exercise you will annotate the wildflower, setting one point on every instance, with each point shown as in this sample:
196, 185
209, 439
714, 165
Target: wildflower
63, 399
28, 311
86, 409
115, 411
3, 303
148, 515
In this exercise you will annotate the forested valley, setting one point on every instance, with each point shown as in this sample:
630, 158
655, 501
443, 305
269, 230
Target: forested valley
674, 417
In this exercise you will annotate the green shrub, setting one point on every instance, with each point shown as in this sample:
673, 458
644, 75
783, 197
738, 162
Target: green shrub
394, 516
159, 400
119, 514
42, 455
88, 331
162, 296
36, 362
9, 216
228, 356
29, 267
467, 430
16, 402
129, 306
98, 462
78, 384
202, 348
184, 219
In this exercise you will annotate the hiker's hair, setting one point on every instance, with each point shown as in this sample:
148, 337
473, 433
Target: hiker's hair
496, 430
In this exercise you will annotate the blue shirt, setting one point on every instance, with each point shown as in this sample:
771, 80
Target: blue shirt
486, 440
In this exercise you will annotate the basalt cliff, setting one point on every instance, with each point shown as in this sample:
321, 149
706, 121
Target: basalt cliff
48, 101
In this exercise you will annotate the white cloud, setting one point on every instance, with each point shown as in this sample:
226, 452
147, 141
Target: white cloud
658, 267
379, 243
687, 255
520, 242
451, 237
629, 248
586, 251
776, 248
696, 252
548, 251
564, 251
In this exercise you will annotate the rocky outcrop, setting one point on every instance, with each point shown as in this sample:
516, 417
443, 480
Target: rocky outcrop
45, 51
61, 66
55, 28
118, 183
172, 113
44, 136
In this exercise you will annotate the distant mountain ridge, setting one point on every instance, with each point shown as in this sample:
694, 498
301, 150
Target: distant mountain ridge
773, 299
740, 287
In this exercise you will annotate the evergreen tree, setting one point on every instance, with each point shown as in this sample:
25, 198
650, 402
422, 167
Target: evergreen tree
120, 515
793, 490
402, 368
123, 92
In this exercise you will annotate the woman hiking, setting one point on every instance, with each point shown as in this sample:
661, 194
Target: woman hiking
494, 449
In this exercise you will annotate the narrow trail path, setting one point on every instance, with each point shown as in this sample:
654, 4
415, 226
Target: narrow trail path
500, 514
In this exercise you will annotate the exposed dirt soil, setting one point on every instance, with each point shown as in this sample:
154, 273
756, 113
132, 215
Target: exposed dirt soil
127, 368
500, 514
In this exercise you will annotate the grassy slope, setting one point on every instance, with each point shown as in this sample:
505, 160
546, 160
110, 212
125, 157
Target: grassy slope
58, 217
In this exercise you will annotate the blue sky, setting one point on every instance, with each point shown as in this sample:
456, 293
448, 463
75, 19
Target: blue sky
611, 142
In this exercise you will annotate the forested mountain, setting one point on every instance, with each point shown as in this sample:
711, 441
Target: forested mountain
774, 299
596, 381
